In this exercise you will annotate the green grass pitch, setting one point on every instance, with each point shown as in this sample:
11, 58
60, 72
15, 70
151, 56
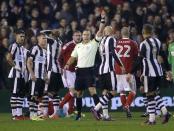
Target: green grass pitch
120, 123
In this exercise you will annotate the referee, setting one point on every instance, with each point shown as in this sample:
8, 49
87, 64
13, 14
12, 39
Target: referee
85, 53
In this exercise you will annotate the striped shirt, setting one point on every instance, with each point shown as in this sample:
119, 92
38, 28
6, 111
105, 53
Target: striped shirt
149, 50
108, 54
38, 55
53, 53
17, 53
26, 56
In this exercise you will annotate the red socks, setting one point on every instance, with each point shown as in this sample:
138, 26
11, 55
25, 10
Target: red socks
66, 98
130, 98
126, 102
123, 99
71, 106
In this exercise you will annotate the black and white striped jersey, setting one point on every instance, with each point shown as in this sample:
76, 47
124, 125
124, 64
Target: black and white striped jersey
108, 54
150, 48
53, 53
17, 53
38, 55
26, 56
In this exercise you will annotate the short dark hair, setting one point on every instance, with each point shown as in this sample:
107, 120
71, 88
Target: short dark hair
41, 34
148, 29
19, 31
77, 31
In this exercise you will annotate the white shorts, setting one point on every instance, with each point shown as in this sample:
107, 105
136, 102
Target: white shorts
123, 85
68, 79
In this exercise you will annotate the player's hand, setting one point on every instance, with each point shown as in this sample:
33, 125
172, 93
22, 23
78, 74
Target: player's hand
141, 78
128, 77
123, 70
33, 77
47, 80
169, 75
142, 89
66, 67
18, 68
61, 71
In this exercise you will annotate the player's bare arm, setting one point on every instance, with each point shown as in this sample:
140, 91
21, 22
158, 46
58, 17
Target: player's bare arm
11, 62
102, 24
30, 66
70, 62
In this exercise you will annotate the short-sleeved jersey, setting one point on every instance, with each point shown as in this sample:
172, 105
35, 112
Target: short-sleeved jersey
17, 53
66, 54
38, 55
127, 50
85, 53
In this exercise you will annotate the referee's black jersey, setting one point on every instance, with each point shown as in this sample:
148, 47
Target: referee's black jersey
150, 48
108, 54
38, 55
53, 53
18, 57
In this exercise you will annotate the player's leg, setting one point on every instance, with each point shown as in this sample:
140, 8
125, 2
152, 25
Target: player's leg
13, 98
110, 83
69, 82
79, 104
160, 104
149, 87
21, 94
53, 88
34, 99
131, 88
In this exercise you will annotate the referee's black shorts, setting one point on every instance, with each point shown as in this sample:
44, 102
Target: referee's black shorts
55, 82
85, 78
108, 81
17, 86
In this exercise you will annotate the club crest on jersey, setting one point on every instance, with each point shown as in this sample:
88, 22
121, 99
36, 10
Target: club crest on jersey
19, 57
41, 59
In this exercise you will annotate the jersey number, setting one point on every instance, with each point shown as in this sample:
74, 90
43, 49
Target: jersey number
127, 50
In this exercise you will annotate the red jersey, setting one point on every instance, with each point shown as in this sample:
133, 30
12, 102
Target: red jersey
127, 50
66, 54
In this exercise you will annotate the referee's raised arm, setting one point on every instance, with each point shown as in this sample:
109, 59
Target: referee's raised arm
101, 26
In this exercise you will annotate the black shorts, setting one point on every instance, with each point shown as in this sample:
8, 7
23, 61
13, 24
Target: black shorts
37, 87
151, 83
17, 86
85, 78
55, 82
108, 81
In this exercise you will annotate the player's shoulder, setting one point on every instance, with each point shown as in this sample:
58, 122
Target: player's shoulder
50, 40
70, 43
34, 47
13, 45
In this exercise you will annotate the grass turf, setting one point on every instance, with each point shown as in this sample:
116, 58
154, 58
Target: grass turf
87, 123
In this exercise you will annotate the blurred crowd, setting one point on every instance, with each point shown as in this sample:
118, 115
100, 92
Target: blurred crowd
70, 15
